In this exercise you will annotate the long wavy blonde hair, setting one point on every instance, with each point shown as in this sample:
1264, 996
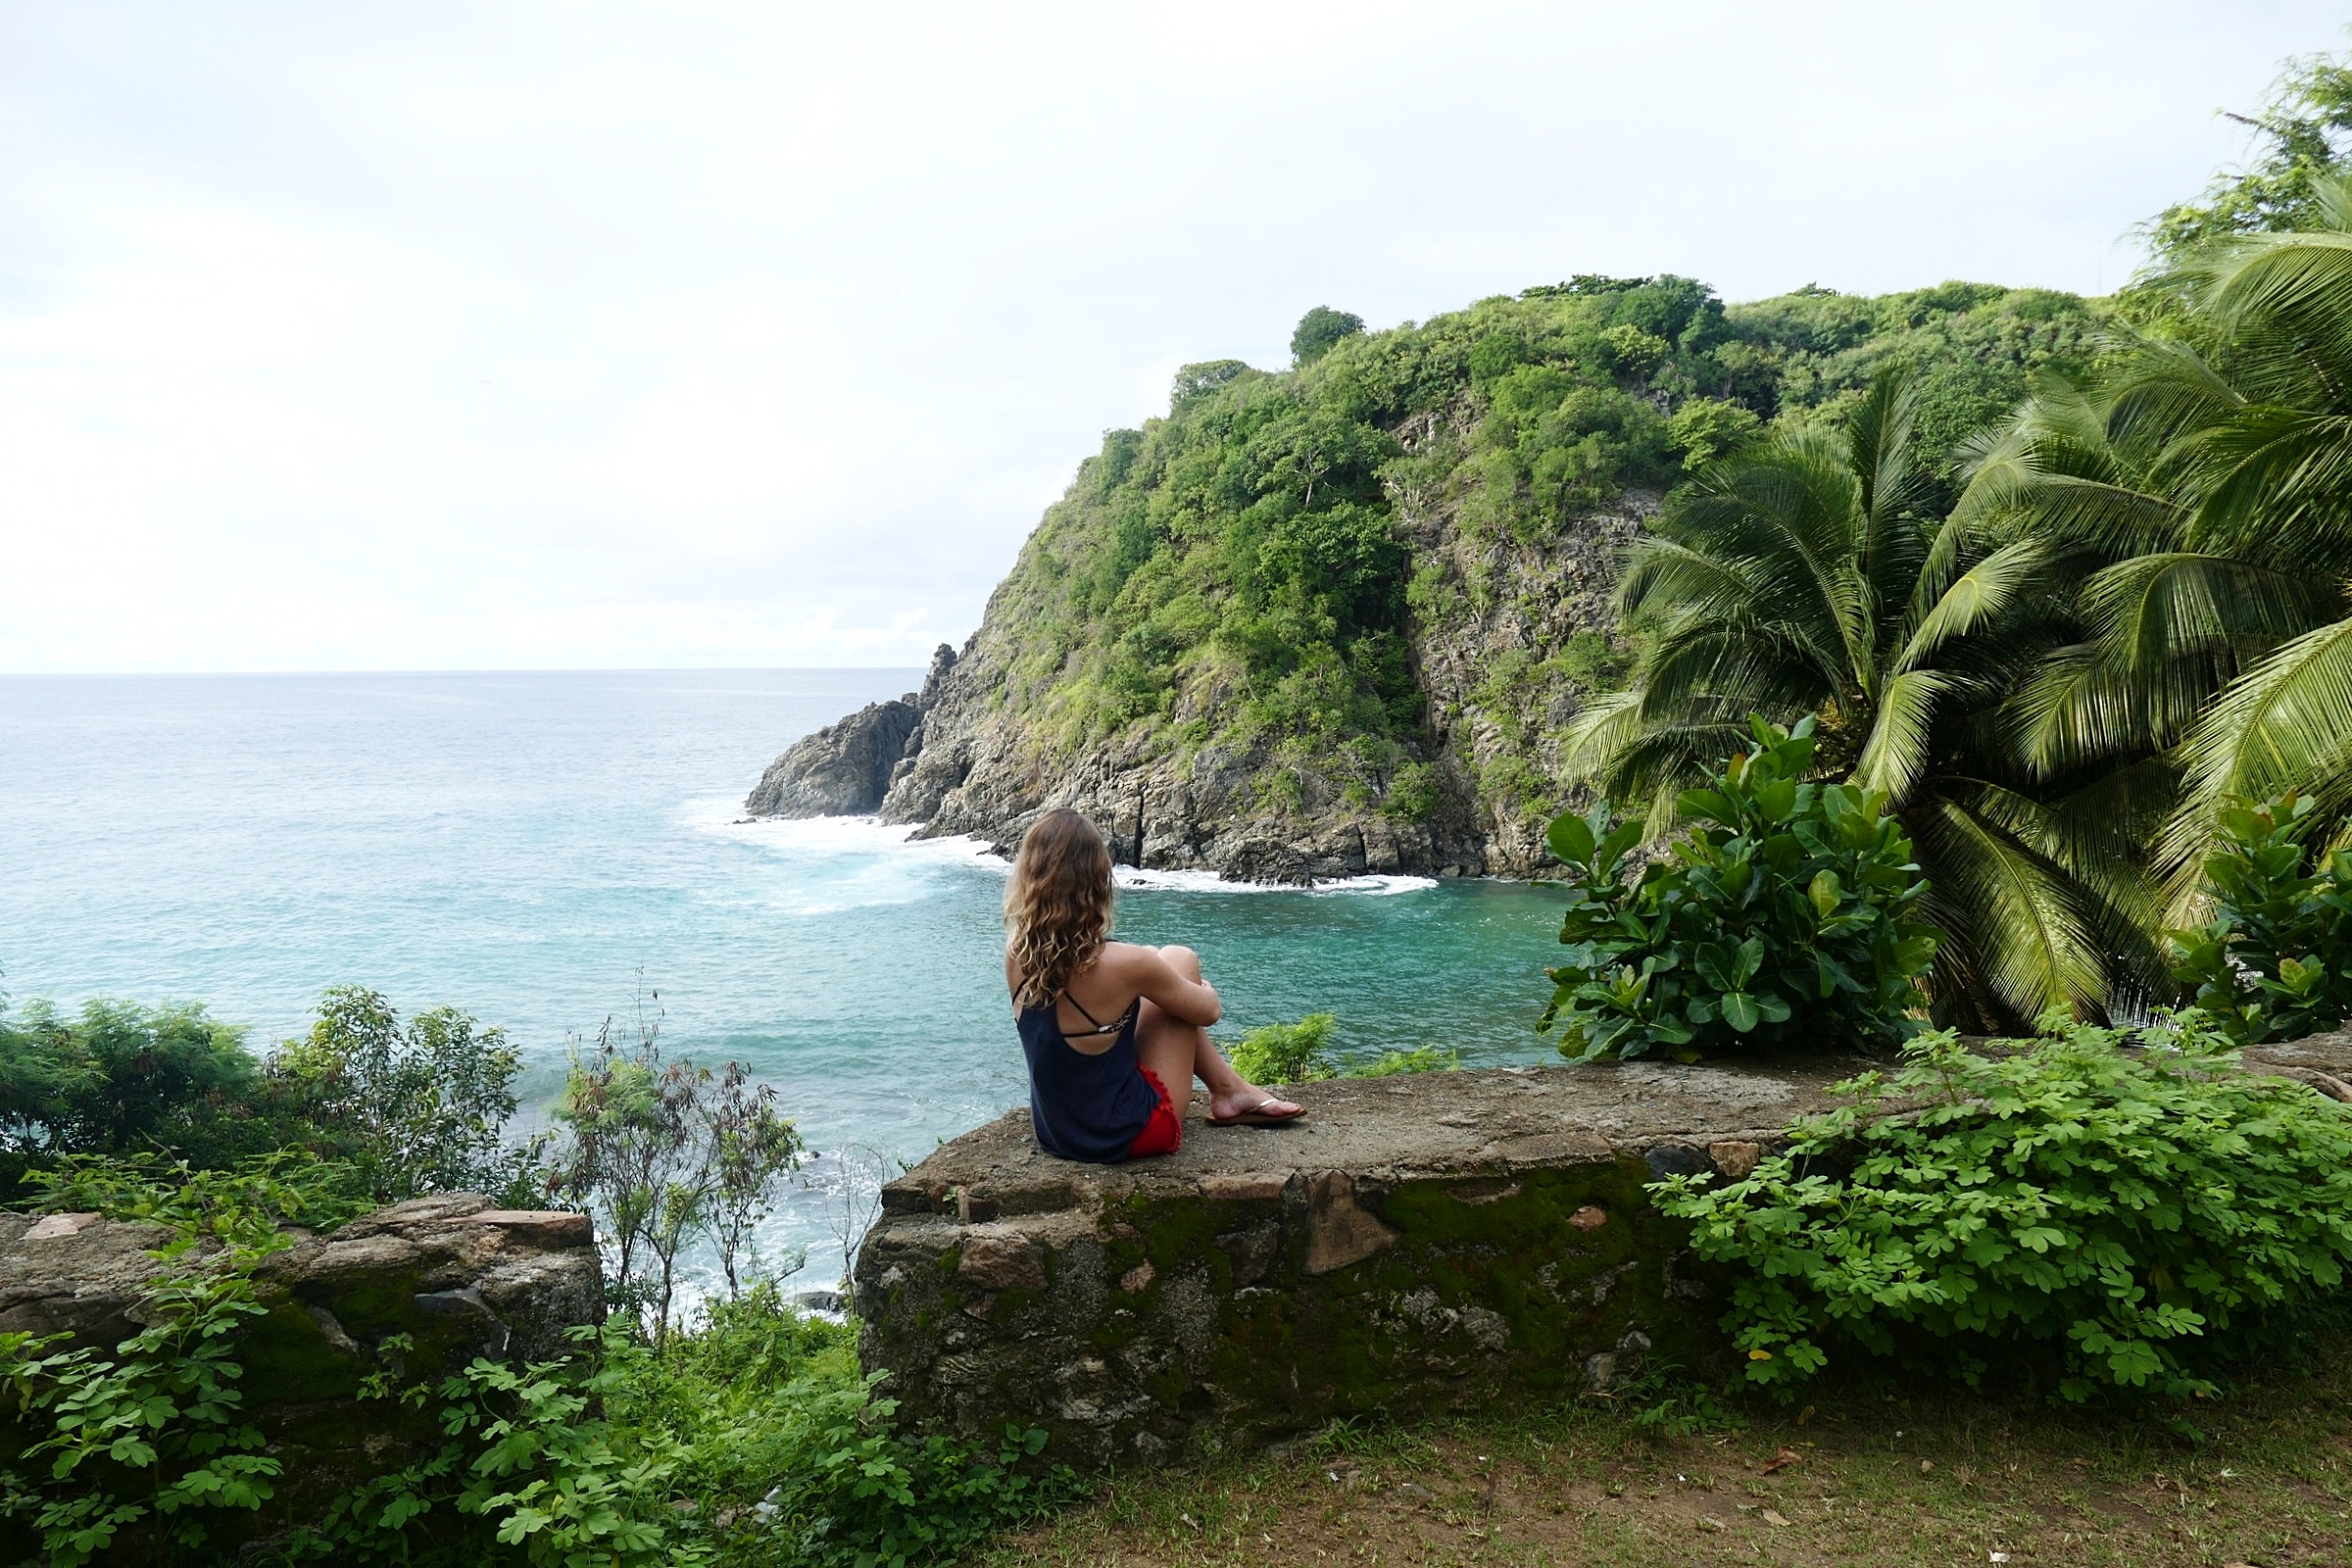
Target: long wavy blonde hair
1057, 904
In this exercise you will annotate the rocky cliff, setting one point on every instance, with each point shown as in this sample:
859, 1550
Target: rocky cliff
1333, 620
1486, 663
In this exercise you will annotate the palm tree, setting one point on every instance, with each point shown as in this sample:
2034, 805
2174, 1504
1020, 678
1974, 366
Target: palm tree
1804, 576
2199, 499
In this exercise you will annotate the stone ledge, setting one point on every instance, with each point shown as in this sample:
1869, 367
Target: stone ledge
1419, 1244
419, 1289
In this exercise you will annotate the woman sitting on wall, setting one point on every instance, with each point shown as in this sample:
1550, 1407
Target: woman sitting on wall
1114, 1031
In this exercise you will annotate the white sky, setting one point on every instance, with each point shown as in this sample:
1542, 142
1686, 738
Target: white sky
511, 334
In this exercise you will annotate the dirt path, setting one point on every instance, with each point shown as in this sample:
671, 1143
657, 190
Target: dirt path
2265, 1479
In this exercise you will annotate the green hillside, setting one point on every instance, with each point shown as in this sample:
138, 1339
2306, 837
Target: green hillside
1236, 573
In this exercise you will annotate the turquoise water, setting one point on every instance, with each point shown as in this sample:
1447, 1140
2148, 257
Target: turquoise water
534, 847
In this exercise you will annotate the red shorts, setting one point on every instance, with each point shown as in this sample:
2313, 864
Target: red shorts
1163, 1134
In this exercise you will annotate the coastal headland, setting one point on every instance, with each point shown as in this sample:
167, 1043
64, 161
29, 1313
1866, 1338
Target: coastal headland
1333, 619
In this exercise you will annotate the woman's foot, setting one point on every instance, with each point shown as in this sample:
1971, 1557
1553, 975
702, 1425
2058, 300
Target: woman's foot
1250, 1106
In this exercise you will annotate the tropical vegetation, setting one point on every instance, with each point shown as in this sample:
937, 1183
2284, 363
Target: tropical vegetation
1307, 1051
405, 1108
1807, 577
2120, 614
2023, 621
752, 1414
2127, 1219
1254, 570
1787, 911
2273, 958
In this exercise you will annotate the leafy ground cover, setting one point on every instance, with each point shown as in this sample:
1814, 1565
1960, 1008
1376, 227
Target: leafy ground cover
1860, 1476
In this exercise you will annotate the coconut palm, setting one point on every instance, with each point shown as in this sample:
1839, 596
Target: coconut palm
2199, 500
1806, 575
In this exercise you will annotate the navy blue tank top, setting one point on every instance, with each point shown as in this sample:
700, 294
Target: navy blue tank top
1081, 1107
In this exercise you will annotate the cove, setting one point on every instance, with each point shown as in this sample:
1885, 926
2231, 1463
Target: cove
524, 844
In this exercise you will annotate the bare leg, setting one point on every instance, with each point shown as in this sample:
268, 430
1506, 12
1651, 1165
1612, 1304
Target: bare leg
1177, 1052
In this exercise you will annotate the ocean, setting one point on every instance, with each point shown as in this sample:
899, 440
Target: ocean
548, 849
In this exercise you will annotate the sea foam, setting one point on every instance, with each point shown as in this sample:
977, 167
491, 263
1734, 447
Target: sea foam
846, 836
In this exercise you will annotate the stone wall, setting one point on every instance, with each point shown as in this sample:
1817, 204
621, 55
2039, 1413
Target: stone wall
456, 1276
1419, 1244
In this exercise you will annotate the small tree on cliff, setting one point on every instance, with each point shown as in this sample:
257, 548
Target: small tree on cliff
417, 1108
665, 1153
1318, 331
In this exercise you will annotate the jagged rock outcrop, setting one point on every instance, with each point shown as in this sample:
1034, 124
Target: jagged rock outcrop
418, 1288
843, 769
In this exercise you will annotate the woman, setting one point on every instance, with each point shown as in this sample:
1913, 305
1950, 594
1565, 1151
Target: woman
1114, 1033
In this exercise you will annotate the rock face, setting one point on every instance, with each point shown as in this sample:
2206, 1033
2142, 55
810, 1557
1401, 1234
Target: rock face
457, 1276
1417, 1244
846, 769
841, 770
973, 753
1504, 619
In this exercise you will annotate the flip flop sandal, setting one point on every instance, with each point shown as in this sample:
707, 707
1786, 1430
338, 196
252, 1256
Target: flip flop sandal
1258, 1116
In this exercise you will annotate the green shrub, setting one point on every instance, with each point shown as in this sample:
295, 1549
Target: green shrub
1412, 794
1396, 1063
1791, 909
752, 1440
1593, 663
1303, 1052
412, 1109
1704, 429
417, 1108
1287, 1053
665, 1153
119, 1077
244, 1204
2275, 961
141, 1447
2131, 1217
1318, 329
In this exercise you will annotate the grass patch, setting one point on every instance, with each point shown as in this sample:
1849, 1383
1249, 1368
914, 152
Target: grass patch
1860, 1476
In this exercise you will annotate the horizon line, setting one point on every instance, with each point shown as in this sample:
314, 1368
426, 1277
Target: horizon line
501, 669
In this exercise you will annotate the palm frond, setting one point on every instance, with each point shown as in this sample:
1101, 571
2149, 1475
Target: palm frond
2162, 395
2285, 724
1895, 753
2007, 915
2285, 301
2152, 609
1986, 590
2279, 481
2080, 708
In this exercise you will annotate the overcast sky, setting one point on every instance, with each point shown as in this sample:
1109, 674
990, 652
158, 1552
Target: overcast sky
434, 335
